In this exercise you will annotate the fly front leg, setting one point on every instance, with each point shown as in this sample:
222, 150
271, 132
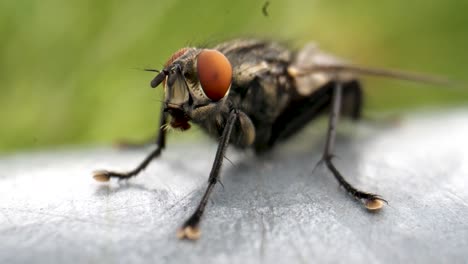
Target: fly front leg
190, 229
105, 175
370, 200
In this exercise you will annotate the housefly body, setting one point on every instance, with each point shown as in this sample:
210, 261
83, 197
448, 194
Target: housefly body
254, 94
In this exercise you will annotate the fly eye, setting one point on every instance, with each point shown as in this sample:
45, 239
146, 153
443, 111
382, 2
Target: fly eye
215, 73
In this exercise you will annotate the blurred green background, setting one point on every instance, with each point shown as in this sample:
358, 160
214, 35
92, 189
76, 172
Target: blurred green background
67, 68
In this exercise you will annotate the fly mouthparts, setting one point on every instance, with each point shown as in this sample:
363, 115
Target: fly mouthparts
159, 78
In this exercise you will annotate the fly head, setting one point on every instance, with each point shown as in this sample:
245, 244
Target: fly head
196, 83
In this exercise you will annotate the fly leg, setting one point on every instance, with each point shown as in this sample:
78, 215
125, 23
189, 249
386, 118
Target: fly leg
370, 200
105, 175
190, 229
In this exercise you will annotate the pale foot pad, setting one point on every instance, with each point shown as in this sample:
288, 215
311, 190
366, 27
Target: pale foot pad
101, 176
189, 232
374, 204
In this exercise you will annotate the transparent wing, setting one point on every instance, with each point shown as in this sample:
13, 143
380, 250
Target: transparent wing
312, 68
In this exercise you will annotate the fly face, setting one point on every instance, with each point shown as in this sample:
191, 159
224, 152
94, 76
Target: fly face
196, 82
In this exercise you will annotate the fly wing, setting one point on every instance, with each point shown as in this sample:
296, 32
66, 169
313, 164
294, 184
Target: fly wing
312, 68
308, 80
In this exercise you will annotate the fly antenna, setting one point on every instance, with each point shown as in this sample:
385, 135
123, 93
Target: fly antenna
146, 69
152, 70
159, 78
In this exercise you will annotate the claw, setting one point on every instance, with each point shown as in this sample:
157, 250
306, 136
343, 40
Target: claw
188, 232
101, 176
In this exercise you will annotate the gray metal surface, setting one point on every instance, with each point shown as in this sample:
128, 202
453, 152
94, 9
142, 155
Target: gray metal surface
271, 209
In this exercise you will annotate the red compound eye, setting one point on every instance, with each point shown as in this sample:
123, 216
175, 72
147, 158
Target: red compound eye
214, 73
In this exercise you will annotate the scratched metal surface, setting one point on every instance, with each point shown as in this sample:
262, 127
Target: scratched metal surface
271, 210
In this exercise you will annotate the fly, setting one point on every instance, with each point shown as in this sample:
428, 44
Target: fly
253, 94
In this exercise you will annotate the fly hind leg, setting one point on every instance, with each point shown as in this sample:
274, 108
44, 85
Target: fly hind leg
370, 200
352, 100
